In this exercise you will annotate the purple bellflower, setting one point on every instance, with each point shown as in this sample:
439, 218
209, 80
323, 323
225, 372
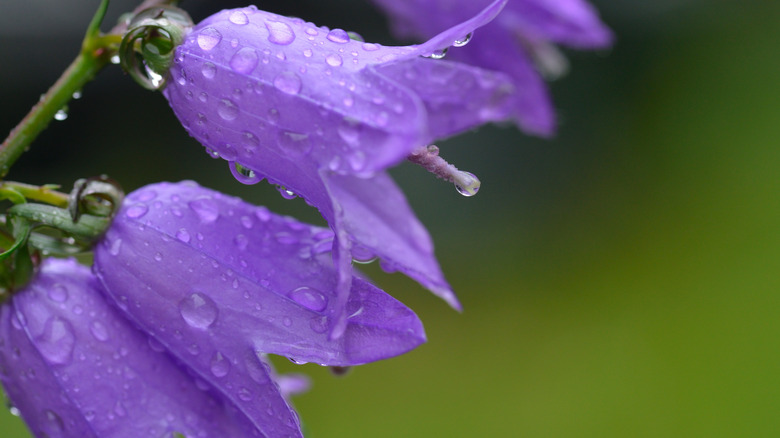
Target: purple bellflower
73, 366
218, 283
323, 116
519, 42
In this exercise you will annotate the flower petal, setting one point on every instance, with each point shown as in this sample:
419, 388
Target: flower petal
74, 366
256, 282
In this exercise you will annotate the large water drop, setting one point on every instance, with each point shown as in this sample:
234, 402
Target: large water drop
198, 310
208, 38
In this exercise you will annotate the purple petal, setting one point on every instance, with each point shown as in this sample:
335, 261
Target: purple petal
571, 22
74, 366
213, 278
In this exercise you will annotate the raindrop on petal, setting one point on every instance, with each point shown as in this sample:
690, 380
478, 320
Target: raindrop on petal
244, 61
198, 310
288, 82
208, 38
338, 36
279, 32
309, 298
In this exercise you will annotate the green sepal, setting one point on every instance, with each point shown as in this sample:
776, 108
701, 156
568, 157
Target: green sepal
20, 232
88, 227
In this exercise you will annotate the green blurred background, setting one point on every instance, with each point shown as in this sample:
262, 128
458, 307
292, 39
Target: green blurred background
621, 279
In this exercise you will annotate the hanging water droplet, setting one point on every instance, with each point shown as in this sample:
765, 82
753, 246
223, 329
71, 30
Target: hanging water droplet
198, 310
296, 361
244, 61
288, 82
244, 175
239, 18
77, 94
13, 410
438, 54
463, 41
286, 194
309, 298
57, 341
208, 38
219, 365
279, 32
466, 183
354, 36
61, 114
115, 59
339, 36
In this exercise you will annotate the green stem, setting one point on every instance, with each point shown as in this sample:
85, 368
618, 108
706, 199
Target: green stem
45, 193
95, 53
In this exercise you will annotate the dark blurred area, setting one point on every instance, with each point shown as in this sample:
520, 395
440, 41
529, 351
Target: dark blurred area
621, 279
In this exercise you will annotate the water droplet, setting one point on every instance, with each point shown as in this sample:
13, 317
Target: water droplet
77, 95
158, 256
354, 36
438, 54
208, 38
309, 298
13, 410
244, 394
61, 114
286, 194
244, 175
319, 324
279, 32
239, 18
286, 321
349, 131
227, 109
285, 238
219, 365
206, 209
333, 60
137, 211
295, 142
115, 59
288, 82
296, 361
183, 235
247, 222
249, 141
58, 293
98, 330
308, 53
339, 36
54, 422
357, 160
244, 61
208, 70
198, 310
115, 246
463, 41
370, 47
241, 241
57, 341
119, 409
466, 183
155, 345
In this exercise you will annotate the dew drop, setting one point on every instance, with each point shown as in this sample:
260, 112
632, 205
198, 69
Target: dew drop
333, 60
279, 32
57, 341
308, 53
309, 298
238, 18
98, 330
466, 183
219, 365
288, 82
349, 131
370, 47
77, 94
137, 211
208, 38
295, 142
61, 114
241, 241
339, 36
463, 41
54, 422
297, 361
244, 394
319, 324
227, 109
208, 70
438, 54
183, 235
58, 293
115, 246
244, 61
244, 175
206, 209
286, 193
198, 310
286, 321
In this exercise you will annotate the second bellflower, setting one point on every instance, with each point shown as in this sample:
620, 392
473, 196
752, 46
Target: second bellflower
323, 115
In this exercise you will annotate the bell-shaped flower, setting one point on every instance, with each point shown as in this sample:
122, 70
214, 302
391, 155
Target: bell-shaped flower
322, 115
73, 366
519, 42
217, 282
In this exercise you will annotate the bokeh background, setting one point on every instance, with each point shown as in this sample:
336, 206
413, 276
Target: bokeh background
621, 279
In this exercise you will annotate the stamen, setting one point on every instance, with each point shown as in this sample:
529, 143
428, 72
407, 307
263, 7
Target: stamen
466, 183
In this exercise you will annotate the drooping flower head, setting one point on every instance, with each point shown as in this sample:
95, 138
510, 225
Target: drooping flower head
323, 115
519, 42
73, 366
